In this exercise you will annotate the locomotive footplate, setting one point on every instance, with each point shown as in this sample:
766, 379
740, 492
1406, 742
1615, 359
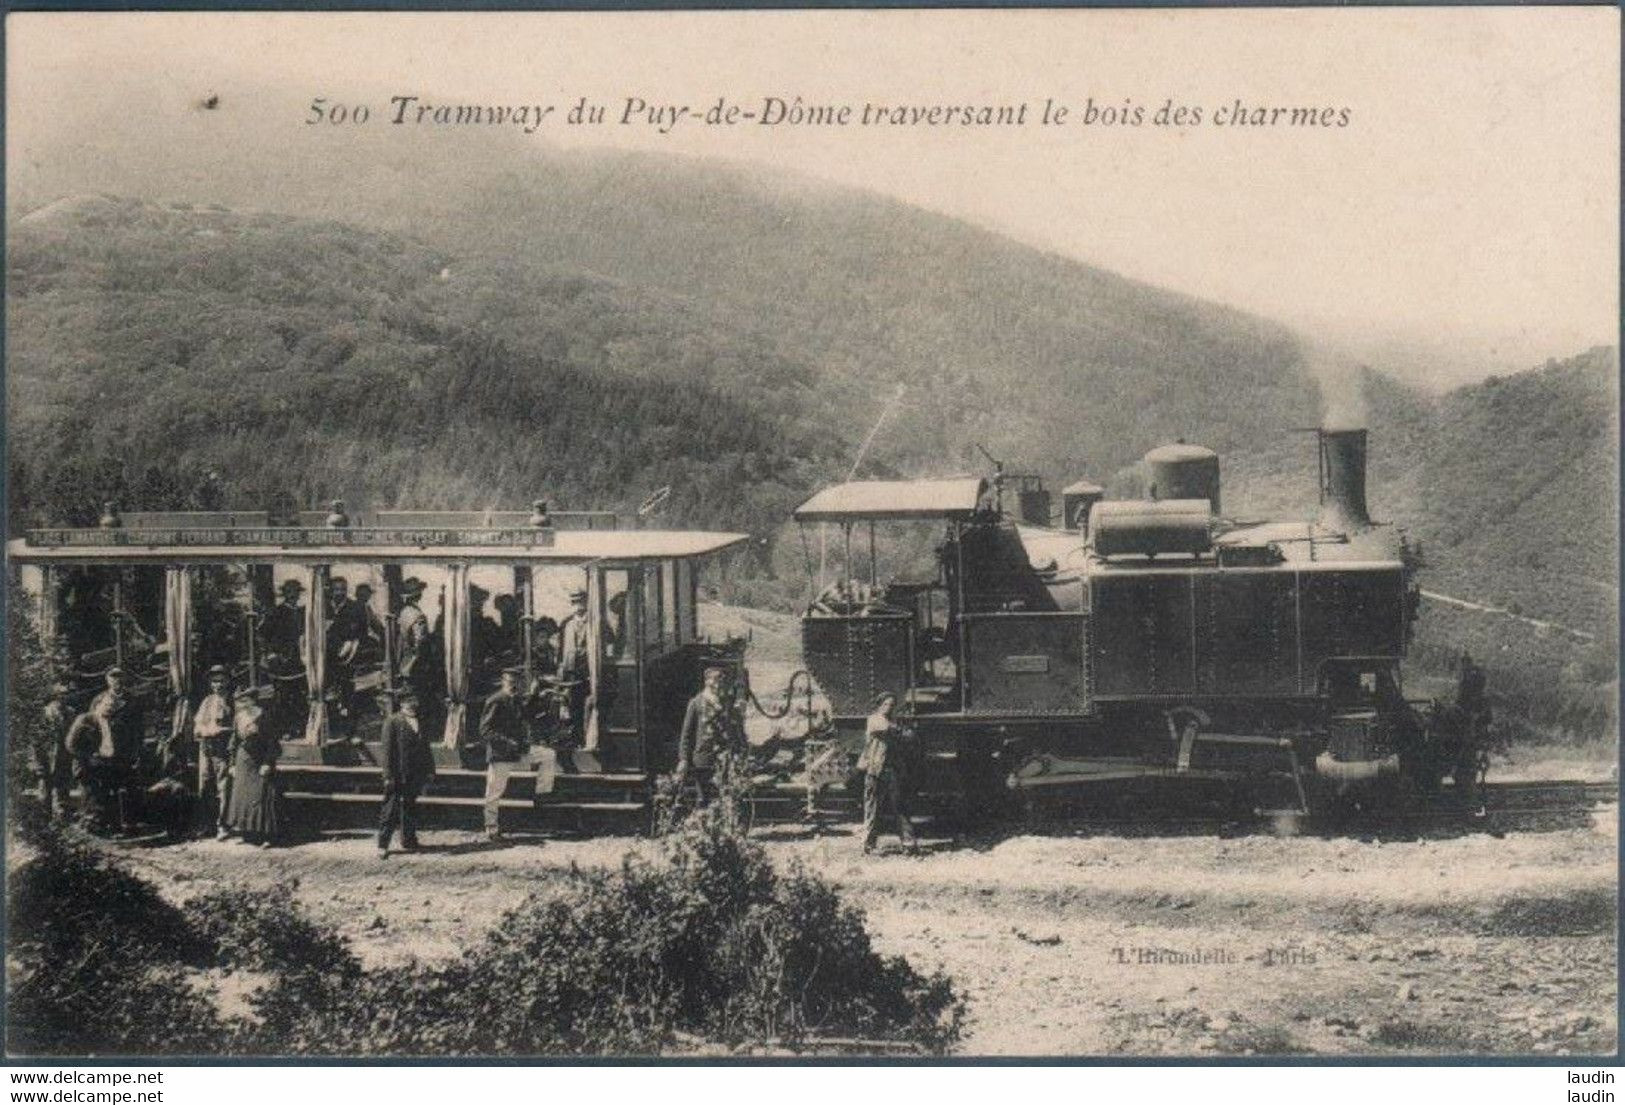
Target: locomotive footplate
1217, 757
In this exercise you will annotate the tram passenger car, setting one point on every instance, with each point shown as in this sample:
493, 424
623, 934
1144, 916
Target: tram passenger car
1140, 639
165, 596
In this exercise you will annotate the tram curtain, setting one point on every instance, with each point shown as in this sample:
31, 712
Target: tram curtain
313, 651
48, 605
178, 627
457, 654
595, 654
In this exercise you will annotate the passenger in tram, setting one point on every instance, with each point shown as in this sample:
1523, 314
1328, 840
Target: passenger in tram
484, 636
411, 627
575, 671
372, 644
284, 625
346, 629
281, 631
212, 727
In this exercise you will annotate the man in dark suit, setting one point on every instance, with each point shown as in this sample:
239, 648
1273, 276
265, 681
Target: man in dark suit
346, 629
281, 630
408, 765
502, 728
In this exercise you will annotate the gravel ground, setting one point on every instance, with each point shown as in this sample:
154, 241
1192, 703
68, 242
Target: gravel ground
1076, 944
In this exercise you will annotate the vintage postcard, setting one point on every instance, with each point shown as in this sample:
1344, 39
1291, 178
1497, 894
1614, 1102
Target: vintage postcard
930, 535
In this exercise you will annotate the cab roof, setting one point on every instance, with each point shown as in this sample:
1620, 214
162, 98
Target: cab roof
895, 500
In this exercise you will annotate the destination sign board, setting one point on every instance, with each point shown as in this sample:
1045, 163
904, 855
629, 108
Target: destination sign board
298, 537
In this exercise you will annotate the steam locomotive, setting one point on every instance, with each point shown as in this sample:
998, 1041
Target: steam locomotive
1152, 638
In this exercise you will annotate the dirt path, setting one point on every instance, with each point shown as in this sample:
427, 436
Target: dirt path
1080, 944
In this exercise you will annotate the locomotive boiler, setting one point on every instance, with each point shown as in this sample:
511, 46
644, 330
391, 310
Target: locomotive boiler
1141, 638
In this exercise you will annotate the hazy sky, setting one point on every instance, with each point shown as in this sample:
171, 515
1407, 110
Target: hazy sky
1473, 198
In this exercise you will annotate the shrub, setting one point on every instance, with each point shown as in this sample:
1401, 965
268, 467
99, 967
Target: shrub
265, 929
69, 899
99, 962
704, 941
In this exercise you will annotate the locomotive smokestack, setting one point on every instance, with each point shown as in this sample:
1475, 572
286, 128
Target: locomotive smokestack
1342, 480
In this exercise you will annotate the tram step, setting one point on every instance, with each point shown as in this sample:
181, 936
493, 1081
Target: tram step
447, 800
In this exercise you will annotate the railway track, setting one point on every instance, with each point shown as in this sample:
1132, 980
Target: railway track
1510, 806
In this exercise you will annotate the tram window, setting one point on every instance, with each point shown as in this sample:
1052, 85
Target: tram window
616, 583
668, 594
653, 609
683, 592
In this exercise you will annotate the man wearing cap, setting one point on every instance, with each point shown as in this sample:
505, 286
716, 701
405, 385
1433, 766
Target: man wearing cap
50, 749
212, 726
412, 638
408, 764
502, 728
106, 740
575, 671
703, 741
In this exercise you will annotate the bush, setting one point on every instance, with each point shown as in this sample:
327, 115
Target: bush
265, 929
704, 942
99, 961
69, 899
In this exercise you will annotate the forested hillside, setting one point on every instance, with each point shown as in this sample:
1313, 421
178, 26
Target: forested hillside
757, 282
302, 360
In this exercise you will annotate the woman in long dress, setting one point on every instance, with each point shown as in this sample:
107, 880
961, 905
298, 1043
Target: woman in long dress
255, 811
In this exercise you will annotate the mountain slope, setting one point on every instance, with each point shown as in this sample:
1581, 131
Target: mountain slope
300, 360
1036, 357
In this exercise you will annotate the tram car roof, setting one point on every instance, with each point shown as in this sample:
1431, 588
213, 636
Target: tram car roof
366, 544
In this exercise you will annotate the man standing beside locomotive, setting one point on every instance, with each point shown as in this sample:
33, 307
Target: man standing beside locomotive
502, 728
704, 749
881, 764
212, 726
